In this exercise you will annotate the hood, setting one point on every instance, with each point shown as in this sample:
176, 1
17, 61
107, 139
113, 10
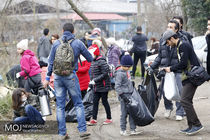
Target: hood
28, 52
41, 40
67, 36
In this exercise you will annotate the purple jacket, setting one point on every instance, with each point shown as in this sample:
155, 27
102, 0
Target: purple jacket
113, 55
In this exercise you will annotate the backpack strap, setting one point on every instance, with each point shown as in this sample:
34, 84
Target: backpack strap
179, 57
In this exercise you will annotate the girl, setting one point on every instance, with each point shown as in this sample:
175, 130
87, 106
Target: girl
30, 68
24, 106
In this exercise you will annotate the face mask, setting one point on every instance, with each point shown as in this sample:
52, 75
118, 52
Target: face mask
24, 99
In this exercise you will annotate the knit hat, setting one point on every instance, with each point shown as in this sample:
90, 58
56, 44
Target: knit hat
23, 44
96, 31
126, 60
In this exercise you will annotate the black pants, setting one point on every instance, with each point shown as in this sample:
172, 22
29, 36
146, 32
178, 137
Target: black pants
142, 57
83, 92
34, 82
96, 98
187, 103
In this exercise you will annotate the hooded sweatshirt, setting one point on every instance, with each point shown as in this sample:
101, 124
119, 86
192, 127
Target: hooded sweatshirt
29, 63
44, 47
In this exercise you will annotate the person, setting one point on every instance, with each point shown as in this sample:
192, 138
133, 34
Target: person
84, 39
30, 68
154, 46
101, 84
167, 56
95, 35
139, 49
69, 83
26, 108
83, 75
113, 53
124, 87
54, 37
187, 58
179, 19
208, 46
44, 46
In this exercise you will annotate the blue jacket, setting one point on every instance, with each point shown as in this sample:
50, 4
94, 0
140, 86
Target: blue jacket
78, 48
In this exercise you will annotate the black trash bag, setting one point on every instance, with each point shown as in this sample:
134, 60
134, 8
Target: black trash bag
87, 101
138, 110
150, 94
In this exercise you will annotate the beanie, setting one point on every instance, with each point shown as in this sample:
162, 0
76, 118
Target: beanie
23, 44
96, 31
126, 60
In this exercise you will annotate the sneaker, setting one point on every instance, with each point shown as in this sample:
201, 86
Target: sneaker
194, 130
65, 137
123, 133
134, 132
92, 122
179, 118
84, 134
185, 130
108, 121
167, 114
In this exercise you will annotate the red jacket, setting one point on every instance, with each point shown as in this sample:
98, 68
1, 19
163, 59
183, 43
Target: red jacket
83, 75
29, 63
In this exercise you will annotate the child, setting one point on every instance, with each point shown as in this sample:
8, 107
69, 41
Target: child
101, 85
124, 88
30, 68
25, 108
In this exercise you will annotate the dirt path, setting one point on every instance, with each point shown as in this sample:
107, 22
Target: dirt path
160, 129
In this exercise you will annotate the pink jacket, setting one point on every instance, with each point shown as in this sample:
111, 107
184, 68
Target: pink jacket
29, 63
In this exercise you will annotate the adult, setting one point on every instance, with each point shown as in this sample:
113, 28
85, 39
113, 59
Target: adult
208, 45
167, 56
139, 49
154, 46
69, 83
187, 59
179, 19
84, 39
95, 35
44, 46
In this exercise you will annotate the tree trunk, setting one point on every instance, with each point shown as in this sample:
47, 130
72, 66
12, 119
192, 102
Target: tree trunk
73, 6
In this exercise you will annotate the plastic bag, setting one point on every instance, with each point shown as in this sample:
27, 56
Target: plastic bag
87, 101
138, 110
170, 87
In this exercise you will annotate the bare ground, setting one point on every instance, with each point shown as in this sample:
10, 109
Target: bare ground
160, 129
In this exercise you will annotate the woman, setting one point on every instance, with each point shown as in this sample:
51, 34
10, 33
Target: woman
25, 108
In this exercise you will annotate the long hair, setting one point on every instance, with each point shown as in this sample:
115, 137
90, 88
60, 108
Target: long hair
16, 98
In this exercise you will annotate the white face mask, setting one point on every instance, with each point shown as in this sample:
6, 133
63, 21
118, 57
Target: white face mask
24, 99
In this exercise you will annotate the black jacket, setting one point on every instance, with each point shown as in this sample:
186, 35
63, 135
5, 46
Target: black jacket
139, 43
166, 57
188, 35
100, 74
208, 53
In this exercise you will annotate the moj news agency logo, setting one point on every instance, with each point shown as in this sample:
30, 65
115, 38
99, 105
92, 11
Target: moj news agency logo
50, 127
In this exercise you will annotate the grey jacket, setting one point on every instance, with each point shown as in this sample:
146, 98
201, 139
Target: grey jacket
123, 83
44, 47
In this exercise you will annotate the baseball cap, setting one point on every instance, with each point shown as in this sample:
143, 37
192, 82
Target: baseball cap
166, 35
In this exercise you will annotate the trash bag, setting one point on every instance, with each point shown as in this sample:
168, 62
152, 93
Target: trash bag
87, 101
138, 110
150, 94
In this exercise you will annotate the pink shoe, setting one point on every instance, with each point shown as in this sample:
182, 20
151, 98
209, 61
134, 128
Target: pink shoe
108, 121
92, 122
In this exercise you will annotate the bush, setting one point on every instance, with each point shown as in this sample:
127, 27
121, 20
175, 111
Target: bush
6, 107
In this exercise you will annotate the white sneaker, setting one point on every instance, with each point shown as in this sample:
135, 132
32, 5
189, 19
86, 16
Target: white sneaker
123, 133
167, 114
134, 132
179, 118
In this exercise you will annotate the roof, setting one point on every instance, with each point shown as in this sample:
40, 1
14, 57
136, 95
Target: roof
94, 16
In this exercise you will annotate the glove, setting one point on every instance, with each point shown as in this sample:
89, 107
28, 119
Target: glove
125, 98
150, 70
17, 75
92, 82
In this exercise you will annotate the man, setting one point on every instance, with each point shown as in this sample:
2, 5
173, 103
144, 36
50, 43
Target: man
187, 58
96, 34
167, 56
69, 83
44, 46
179, 19
208, 45
139, 49
85, 38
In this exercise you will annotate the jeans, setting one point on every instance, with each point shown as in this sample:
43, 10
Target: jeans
142, 57
96, 98
33, 116
168, 104
187, 103
63, 84
123, 117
